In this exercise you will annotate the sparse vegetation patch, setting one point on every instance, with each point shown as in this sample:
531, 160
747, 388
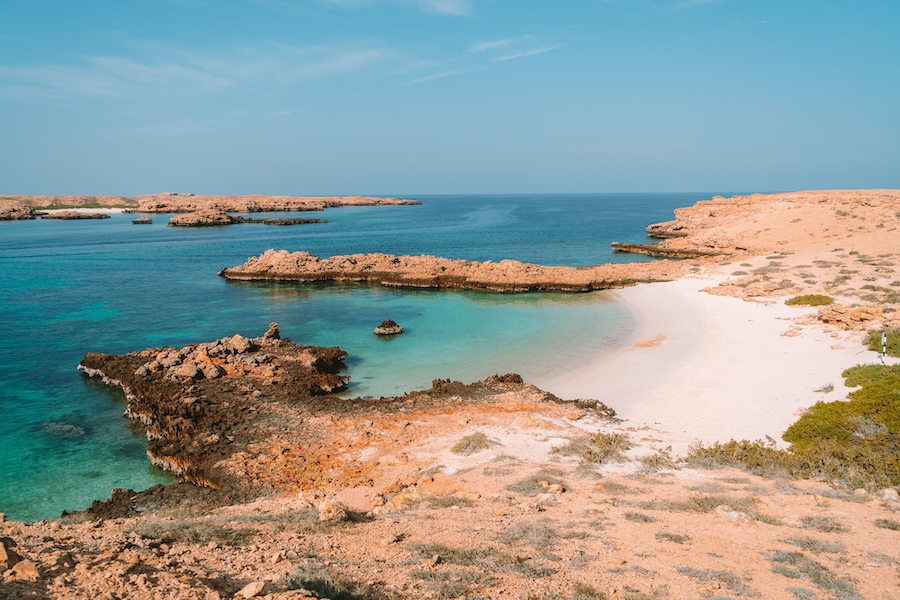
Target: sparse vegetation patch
809, 300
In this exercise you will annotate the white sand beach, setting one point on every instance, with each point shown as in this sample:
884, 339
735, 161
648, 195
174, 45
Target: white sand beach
711, 368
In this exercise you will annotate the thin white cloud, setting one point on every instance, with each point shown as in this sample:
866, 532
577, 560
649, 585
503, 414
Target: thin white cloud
525, 53
440, 75
493, 45
169, 71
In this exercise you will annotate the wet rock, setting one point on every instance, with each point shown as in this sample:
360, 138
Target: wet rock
143, 221
388, 327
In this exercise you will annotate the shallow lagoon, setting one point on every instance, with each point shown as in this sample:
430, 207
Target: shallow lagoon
70, 287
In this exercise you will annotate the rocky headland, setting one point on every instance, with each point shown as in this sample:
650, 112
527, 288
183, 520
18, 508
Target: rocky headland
505, 276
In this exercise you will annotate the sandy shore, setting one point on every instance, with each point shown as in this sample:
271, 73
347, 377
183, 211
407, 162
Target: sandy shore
711, 368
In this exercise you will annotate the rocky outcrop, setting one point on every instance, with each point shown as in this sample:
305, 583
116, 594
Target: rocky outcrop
506, 276
388, 327
143, 221
12, 211
660, 251
213, 217
850, 317
202, 218
197, 404
72, 215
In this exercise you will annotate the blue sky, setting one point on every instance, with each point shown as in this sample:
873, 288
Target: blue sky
405, 97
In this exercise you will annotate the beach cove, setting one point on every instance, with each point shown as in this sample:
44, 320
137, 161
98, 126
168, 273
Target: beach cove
515, 473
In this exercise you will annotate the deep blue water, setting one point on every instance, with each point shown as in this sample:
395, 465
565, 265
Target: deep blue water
70, 287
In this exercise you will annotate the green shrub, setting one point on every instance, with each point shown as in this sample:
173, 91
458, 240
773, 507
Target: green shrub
893, 341
851, 444
809, 300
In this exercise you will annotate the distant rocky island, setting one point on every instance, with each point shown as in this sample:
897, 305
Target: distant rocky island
18, 207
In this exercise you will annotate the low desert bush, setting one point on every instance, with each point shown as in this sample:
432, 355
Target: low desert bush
887, 524
824, 524
809, 300
194, 532
472, 444
327, 583
537, 483
597, 448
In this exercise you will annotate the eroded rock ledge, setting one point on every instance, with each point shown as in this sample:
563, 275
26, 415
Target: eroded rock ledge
506, 276
243, 416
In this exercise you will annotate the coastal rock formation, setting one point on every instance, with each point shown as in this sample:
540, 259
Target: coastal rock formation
72, 215
202, 218
245, 416
196, 403
213, 217
388, 327
12, 211
143, 221
434, 272
661, 251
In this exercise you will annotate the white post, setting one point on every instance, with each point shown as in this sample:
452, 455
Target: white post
883, 345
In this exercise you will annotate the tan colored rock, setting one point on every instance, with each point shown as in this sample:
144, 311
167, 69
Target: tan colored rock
332, 512
202, 218
25, 570
848, 317
188, 371
252, 590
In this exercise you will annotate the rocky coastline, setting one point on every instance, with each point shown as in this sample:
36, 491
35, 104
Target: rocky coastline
506, 276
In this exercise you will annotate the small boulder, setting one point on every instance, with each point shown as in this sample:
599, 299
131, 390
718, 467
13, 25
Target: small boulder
188, 371
252, 590
332, 512
211, 370
388, 327
890, 495
239, 343
25, 570
272, 333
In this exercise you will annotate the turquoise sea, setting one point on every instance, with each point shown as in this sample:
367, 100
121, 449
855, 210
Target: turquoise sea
71, 287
